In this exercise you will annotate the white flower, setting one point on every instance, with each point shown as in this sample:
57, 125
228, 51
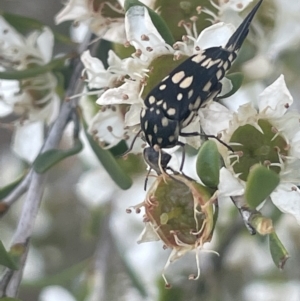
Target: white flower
271, 136
94, 15
227, 11
32, 98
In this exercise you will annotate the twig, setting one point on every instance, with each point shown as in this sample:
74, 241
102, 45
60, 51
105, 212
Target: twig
35, 183
18, 191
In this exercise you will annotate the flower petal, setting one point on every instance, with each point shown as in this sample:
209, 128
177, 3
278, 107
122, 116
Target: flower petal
45, 43
275, 99
137, 24
148, 234
108, 126
236, 5
215, 35
97, 76
28, 140
229, 185
128, 93
132, 117
74, 9
287, 199
214, 118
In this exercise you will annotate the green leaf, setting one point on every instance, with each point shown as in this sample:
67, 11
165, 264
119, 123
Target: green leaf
157, 20
63, 278
6, 190
6, 259
24, 25
278, 252
133, 276
9, 299
51, 157
55, 64
261, 182
236, 81
109, 162
208, 164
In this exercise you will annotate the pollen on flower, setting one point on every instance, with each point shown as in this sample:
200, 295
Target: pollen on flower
138, 52
144, 37
294, 188
127, 44
239, 5
267, 163
125, 96
185, 38
274, 130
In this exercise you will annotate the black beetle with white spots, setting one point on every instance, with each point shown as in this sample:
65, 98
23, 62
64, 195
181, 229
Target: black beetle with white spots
175, 101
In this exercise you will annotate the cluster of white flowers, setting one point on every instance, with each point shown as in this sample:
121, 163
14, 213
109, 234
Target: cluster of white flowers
32, 99
123, 82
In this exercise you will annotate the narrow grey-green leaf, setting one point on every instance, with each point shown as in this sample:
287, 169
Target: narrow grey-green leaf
25, 24
278, 252
157, 20
261, 182
6, 190
133, 276
208, 164
236, 81
109, 162
51, 157
55, 64
9, 299
6, 259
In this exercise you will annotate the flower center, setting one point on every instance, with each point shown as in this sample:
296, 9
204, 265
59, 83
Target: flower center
179, 214
263, 147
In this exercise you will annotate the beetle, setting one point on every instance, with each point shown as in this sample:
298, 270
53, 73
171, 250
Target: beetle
174, 102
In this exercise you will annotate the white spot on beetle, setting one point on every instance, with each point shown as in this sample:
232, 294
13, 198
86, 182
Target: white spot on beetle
171, 138
152, 100
164, 121
171, 111
146, 124
221, 64
162, 87
207, 86
206, 62
190, 94
198, 58
219, 74
197, 103
177, 77
179, 96
186, 82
